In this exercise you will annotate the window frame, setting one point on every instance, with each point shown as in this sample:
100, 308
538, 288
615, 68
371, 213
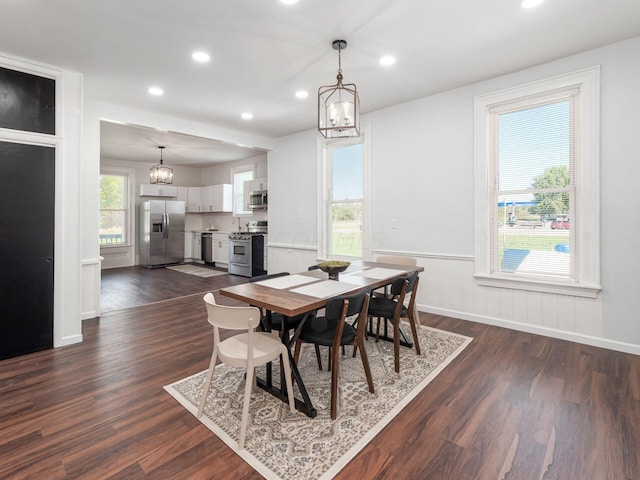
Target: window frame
234, 171
586, 219
129, 175
324, 187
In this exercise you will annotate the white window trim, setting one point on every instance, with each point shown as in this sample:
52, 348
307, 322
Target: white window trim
240, 169
323, 189
587, 177
130, 173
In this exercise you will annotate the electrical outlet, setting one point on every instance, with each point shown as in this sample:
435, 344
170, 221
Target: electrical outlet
394, 223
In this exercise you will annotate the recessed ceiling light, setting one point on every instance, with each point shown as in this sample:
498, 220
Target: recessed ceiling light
530, 3
247, 116
387, 60
157, 91
201, 57
288, 2
302, 94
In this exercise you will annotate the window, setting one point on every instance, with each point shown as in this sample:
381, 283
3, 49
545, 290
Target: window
240, 175
537, 186
114, 210
344, 211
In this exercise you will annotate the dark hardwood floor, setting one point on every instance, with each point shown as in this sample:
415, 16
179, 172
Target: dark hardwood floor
511, 406
133, 286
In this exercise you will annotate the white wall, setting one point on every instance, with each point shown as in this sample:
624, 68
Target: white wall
422, 174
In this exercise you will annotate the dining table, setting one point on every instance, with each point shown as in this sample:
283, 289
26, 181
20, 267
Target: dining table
305, 293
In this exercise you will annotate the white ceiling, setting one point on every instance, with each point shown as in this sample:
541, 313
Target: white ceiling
263, 51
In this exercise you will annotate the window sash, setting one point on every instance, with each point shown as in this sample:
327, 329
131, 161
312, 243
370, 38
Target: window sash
586, 206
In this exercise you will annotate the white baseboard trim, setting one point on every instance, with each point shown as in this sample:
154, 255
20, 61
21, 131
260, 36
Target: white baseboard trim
536, 329
88, 315
70, 340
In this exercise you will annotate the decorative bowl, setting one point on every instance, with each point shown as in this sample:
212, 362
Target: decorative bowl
333, 268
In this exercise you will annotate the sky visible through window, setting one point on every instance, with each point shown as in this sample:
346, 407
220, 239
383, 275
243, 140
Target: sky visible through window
530, 141
347, 172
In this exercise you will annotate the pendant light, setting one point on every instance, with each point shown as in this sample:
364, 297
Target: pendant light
161, 173
339, 105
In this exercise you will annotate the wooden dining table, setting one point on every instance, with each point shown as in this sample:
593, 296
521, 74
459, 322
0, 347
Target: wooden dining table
305, 293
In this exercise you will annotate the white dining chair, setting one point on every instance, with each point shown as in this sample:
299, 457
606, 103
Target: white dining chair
249, 350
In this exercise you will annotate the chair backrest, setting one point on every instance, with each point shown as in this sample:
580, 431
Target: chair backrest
313, 267
396, 285
266, 277
397, 260
231, 318
334, 306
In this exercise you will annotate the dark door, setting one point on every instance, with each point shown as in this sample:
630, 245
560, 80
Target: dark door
27, 193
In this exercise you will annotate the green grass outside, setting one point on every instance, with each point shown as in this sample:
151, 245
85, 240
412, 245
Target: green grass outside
531, 242
346, 239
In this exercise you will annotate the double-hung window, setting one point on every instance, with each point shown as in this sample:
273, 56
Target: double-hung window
537, 186
240, 175
114, 209
344, 203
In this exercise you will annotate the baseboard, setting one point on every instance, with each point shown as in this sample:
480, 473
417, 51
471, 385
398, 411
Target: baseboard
70, 340
88, 315
536, 329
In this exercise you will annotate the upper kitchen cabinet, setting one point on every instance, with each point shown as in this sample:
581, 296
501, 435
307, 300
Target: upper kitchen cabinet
194, 200
158, 190
217, 198
258, 185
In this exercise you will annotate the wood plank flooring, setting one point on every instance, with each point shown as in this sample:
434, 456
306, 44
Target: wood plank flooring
511, 406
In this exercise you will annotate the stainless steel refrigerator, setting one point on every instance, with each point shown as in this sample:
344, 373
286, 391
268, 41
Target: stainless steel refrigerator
161, 233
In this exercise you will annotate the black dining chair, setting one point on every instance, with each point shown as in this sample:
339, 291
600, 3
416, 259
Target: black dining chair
332, 330
277, 319
393, 309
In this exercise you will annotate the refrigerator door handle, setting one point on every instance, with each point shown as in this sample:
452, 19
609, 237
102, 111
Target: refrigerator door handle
166, 225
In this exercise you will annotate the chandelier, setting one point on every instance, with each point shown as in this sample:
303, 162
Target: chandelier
161, 173
339, 105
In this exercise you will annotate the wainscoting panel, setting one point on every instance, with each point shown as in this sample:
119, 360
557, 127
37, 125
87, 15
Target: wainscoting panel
447, 287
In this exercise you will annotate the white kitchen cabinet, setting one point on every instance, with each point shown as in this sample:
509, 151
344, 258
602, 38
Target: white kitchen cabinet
217, 198
259, 184
182, 195
157, 190
220, 248
196, 246
188, 245
194, 200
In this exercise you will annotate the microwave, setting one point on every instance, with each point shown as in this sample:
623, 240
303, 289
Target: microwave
258, 199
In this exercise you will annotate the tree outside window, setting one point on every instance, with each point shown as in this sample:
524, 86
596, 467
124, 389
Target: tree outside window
113, 209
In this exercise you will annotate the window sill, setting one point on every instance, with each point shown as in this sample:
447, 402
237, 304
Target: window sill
534, 285
119, 245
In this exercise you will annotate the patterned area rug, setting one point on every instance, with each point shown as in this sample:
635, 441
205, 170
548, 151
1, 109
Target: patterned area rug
281, 445
197, 271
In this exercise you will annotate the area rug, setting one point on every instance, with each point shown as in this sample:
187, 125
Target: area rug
197, 271
281, 445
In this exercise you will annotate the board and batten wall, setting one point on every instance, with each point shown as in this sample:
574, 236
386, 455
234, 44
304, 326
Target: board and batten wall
422, 165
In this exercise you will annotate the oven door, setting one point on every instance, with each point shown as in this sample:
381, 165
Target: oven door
240, 251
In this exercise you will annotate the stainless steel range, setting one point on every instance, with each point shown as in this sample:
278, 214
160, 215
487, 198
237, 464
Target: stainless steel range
247, 250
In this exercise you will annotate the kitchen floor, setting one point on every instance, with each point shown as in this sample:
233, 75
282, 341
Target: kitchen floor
128, 287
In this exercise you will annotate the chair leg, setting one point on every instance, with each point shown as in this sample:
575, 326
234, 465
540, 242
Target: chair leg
296, 350
207, 383
414, 331
245, 407
396, 344
365, 363
318, 357
284, 359
334, 382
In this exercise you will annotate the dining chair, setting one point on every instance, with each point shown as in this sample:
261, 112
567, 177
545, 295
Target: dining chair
277, 319
392, 309
332, 330
248, 350
402, 260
